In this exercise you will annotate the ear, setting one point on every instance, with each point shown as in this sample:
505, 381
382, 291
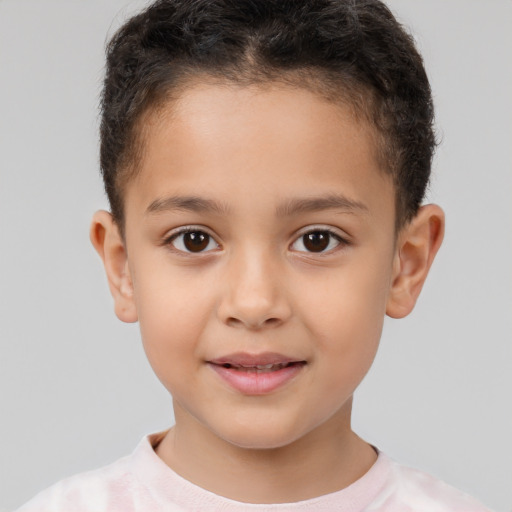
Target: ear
107, 241
417, 245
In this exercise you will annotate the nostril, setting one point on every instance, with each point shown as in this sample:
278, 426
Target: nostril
253, 324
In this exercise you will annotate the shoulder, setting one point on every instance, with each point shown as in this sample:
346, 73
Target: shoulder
129, 484
413, 490
97, 490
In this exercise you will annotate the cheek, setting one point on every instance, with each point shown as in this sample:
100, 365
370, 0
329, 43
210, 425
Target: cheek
173, 308
347, 314
351, 298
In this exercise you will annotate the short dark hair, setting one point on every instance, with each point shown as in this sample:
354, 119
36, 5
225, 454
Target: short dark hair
353, 51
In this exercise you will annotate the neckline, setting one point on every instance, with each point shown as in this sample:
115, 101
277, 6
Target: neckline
168, 487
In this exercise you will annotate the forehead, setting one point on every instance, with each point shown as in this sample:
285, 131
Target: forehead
286, 140
267, 111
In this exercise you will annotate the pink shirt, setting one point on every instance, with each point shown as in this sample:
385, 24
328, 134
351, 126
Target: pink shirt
142, 482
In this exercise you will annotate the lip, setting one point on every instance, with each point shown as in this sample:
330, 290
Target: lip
247, 359
256, 374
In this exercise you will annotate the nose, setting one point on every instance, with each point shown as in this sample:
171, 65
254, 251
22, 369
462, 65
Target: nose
253, 295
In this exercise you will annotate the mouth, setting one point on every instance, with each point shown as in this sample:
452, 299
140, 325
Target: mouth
257, 374
261, 368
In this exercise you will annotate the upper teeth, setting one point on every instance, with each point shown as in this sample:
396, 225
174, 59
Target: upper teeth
259, 366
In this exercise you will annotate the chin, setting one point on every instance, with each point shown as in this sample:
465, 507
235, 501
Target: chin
261, 443
256, 437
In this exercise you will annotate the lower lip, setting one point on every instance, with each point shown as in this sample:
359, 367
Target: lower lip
257, 383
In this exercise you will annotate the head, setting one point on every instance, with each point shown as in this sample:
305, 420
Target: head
353, 53
265, 163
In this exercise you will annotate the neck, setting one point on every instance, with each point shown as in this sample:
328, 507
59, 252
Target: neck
325, 460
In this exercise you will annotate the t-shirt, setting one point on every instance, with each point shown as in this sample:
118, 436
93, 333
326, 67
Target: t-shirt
142, 482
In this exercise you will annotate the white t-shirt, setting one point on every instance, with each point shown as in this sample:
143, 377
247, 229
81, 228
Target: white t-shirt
142, 482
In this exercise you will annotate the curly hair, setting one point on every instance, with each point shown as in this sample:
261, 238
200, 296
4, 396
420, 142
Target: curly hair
349, 51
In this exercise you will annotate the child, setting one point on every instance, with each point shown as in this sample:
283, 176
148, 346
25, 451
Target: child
265, 163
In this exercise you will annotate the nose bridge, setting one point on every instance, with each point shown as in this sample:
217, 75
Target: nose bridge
254, 296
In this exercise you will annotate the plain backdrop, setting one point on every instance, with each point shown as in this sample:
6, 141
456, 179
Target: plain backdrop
76, 391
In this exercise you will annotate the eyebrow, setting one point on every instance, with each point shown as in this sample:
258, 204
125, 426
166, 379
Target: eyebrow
187, 203
286, 209
315, 204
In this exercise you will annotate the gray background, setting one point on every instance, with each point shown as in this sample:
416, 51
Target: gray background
76, 391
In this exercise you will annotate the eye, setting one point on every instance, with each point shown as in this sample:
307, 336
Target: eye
318, 241
192, 241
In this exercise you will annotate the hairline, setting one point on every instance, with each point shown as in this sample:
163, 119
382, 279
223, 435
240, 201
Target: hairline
356, 96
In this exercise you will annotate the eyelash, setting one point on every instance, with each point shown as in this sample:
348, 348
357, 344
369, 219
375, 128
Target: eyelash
332, 235
193, 229
189, 229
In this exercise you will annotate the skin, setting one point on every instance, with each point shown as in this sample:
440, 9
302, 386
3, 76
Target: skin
257, 288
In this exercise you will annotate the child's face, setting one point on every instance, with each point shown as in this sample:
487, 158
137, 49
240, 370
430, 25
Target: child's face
249, 173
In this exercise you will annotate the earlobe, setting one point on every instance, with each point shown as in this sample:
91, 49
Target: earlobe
107, 241
417, 246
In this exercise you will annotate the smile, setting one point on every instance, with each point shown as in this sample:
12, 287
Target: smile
256, 374
259, 368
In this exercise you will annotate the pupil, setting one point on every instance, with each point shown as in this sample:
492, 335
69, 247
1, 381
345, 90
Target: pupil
316, 241
196, 241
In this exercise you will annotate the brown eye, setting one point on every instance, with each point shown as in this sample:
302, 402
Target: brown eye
193, 241
317, 241
196, 241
